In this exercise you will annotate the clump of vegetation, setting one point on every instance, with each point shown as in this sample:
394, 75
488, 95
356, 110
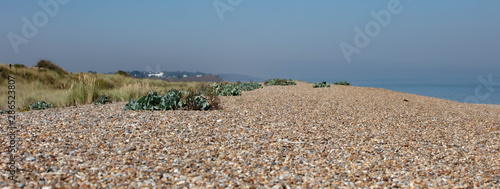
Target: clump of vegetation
212, 97
277, 81
322, 84
153, 101
249, 86
40, 105
47, 64
226, 89
19, 66
103, 100
82, 91
342, 83
123, 73
4, 72
71, 89
172, 100
235, 89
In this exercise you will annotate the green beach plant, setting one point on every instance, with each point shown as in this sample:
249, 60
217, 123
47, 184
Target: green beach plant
103, 99
234, 89
226, 89
277, 81
172, 100
322, 84
41, 105
249, 86
342, 83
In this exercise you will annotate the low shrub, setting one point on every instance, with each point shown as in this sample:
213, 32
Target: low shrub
123, 73
342, 83
40, 105
322, 84
277, 81
43, 63
19, 66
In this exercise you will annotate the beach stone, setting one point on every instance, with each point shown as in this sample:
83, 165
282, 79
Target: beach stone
273, 137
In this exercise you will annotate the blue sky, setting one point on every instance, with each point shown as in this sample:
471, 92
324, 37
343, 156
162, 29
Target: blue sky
293, 39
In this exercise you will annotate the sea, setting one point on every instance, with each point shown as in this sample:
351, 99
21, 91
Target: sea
480, 90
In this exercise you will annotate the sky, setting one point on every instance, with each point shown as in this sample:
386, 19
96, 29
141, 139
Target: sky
281, 38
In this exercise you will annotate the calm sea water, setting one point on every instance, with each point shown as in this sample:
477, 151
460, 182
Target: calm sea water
467, 91
460, 90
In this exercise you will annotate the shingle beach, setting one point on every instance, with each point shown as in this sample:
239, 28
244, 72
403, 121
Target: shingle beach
274, 137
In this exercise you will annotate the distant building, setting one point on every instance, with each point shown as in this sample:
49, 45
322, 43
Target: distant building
156, 75
184, 76
203, 78
198, 75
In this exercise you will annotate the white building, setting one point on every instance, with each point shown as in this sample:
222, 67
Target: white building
156, 75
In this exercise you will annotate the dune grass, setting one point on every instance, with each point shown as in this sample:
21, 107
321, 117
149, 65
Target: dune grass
64, 89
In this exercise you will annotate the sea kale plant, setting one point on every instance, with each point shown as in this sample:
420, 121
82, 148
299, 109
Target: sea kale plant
322, 84
342, 83
226, 89
277, 81
234, 89
206, 97
40, 105
172, 100
103, 100
249, 86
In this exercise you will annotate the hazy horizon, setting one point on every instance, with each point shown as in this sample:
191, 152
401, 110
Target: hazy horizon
292, 39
